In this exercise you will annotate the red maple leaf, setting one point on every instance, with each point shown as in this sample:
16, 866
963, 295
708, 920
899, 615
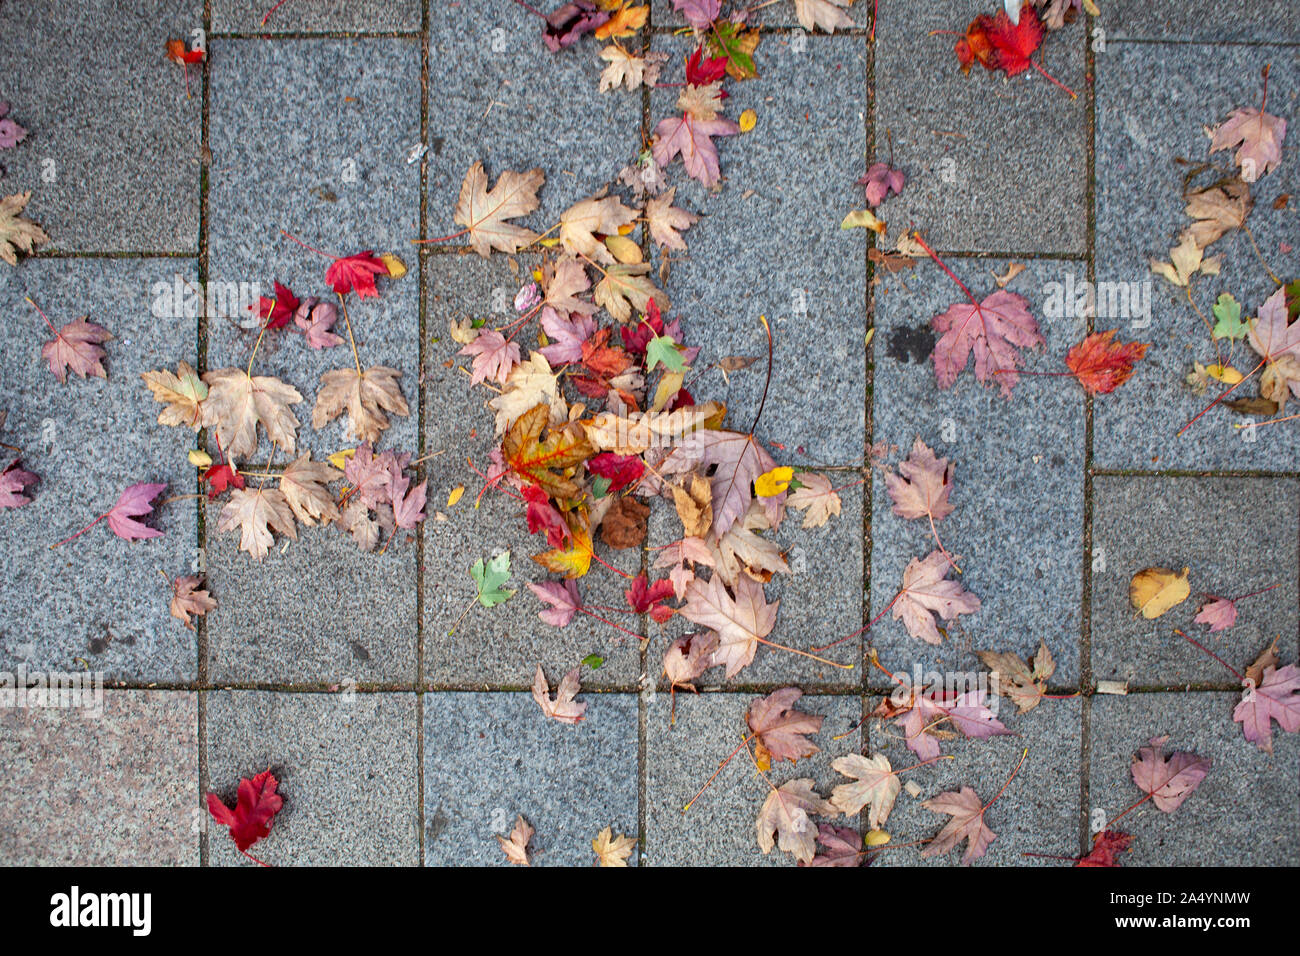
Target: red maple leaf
356, 274
702, 70
543, 516
278, 310
645, 598
254, 812
1102, 365
621, 470
1106, 848
177, 52
999, 44
219, 478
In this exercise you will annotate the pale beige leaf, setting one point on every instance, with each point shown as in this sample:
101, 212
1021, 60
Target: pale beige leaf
485, 213
365, 398
303, 483
236, 404
255, 511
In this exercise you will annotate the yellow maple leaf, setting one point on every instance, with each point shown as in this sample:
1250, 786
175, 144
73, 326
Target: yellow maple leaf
575, 560
626, 22
772, 483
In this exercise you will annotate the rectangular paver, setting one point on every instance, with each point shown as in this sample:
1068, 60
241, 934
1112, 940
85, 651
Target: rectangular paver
1237, 535
347, 772
103, 606
490, 758
306, 16
120, 788
1200, 21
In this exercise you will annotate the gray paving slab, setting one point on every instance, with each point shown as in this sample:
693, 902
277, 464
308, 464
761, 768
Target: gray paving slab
1153, 101
347, 771
719, 828
994, 163
1247, 800
568, 781
776, 226
821, 599
117, 789
1018, 467
315, 610
491, 81
1237, 535
1201, 21
305, 16
500, 646
1038, 812
102, 603
310, 136
112, 155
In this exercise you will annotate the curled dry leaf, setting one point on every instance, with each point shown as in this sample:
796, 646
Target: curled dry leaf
688, 657
1024, 685
563, 708
189, 599
600, 214
693, 500
14, 481
1153, 591
515, 847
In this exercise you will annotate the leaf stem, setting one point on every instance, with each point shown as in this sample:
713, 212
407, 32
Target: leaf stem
691, 802
1206, 650
81, 532
355, 357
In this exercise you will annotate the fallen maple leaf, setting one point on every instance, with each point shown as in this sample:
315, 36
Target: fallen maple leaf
628, 70
13, 482
1274, 698
236, 403
531, 383
645, 598
922, 486
18, 233
575, 560
785, 814
688, 657
543, 516
967, 823
779, 729
625, 22
11, 134
1106, 848
1276, 340
599, 214
1217, 209
484, 213
494, 356
999, 43
303, 483
1153, 591
1024, 685
569, 22
693, 139
612, 850
1219, 613
843, 847
737, 461
925, 590
562, 596
254, 812
740, 621
666, 220
356, 273
994, 329
816, 498
276, 312
1185, 260
874, 783
255, 512
543, 461
316, 319
188, 598
826, 14
1257, 137
366, 396
1168, 779
880, 180
182, 393
699, 13
1101, 364
516, 846
563, 708
76, 346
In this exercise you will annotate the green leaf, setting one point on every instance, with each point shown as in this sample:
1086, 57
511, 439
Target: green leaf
662, 350
593, 661
490, 578
600, 487
1292, 296
728, 40
1227, 319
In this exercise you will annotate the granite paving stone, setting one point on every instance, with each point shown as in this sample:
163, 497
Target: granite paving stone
770, 244
310, 137
719, 828
489, 758
306, 16
1247, 800
347, 771
100, 601
112, 155
1017, 527
116, 786
1237, 535
496, 94
994, 163
1153, 101
820, 600
1199, 21
503, 645
1038, 812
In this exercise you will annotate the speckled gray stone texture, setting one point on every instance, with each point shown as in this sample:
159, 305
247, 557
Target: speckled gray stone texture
1152, 102
1237, 535
310, 136
498, 95
112, 154
719, 829
502, 645
1017, 527
821, 599
568, 781
368, 16
119, 789
770, 244
97, 602
1247, 802
1201, 21
994, 163
346, 765
1038, 812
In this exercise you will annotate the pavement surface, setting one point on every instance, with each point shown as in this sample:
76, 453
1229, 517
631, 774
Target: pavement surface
397, 742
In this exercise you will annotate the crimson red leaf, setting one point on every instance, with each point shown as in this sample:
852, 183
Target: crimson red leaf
356, 274
254, 812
